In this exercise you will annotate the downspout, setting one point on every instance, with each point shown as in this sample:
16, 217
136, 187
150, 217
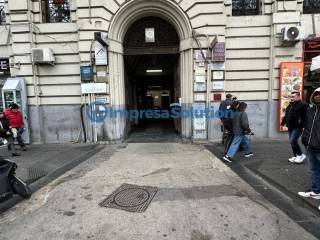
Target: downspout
271, 79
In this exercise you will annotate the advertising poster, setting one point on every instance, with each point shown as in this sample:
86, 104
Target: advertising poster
291, 80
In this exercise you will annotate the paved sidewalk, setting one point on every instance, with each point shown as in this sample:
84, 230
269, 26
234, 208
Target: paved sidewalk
199, 198
270, 161
43, 163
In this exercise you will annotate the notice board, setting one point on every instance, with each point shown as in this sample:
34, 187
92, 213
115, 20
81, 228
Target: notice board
291, 80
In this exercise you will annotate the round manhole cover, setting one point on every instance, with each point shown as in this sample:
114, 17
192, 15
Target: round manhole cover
131, 197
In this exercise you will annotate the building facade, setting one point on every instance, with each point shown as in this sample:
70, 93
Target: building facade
201, 50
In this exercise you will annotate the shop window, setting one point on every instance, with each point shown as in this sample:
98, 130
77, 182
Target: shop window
311, 6
311, 49
54, 11
2, 13
245, 7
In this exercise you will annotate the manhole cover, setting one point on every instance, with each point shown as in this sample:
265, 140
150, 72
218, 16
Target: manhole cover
131, 198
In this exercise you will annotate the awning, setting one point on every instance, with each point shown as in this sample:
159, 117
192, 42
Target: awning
315, 65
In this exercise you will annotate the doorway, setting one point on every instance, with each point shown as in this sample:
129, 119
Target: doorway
151, 80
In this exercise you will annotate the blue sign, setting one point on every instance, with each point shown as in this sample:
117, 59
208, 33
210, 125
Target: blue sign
86, 73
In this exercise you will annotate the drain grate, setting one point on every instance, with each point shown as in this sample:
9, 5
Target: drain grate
132, 198
35, 174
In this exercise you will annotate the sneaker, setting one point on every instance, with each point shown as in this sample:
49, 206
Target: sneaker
310, 195
248, 154
299, 159
227, 158
15, 154
291, 159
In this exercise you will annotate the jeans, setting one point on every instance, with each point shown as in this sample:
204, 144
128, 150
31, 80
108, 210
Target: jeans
237, 140
314, 166
294, 135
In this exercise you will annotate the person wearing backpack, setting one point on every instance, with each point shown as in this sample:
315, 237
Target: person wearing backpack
240, 128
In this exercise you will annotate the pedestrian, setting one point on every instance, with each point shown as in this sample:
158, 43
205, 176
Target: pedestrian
294, 121
240, 128
16, 124
311, 140
5, 132
225, 105
228, 125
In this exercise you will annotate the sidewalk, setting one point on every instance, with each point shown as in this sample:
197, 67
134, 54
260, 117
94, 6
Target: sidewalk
270, 161
198, 198
43, 163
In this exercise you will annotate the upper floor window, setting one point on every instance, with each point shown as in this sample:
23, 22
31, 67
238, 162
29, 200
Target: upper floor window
55, 11
311, 6
2, 13
245, 7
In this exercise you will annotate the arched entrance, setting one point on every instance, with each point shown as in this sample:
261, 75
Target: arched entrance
124, 18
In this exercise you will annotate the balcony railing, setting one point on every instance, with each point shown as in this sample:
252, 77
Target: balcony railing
311, 6
56, 11
245, 7
2, 13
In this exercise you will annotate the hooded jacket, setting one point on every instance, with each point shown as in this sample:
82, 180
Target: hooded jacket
311, 133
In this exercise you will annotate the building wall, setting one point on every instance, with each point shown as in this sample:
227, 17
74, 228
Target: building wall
253, 55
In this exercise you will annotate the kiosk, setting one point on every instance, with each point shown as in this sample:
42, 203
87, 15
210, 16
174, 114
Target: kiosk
14, 91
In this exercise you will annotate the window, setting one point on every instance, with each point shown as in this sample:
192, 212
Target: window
311, 6
2, 13
245, 7
55, 11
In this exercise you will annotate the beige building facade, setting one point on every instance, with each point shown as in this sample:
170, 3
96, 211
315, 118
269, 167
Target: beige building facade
253, 47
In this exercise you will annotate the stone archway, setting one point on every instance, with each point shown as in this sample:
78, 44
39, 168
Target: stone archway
119, 25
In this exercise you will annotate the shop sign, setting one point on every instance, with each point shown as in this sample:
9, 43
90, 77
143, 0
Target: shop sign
4, 67
291, 80
219, 52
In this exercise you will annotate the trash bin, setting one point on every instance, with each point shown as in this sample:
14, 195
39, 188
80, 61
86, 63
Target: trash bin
7, 168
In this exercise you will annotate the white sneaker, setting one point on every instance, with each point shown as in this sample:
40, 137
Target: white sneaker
291, 159
309, 195
299, 159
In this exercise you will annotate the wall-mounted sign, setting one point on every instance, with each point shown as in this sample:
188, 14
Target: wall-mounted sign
291, 80
218, 52
100, 55
200, 97
217, 75
200, 86
88, 88
86, 73
200, 55
219, 85
150, 35
4, 67
218, 66
199, 119
200, 78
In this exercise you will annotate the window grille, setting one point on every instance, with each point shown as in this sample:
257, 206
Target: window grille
55, 11
245, 7
2, 13
311, 6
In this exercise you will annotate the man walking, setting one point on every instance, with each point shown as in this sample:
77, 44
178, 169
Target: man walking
311, 139
294, 121
225, 105
240, 128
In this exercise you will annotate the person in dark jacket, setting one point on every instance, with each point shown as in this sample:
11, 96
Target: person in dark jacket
311, 140
5, 132
294, 121
240, 128
16, 123
225, 105
228, 126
